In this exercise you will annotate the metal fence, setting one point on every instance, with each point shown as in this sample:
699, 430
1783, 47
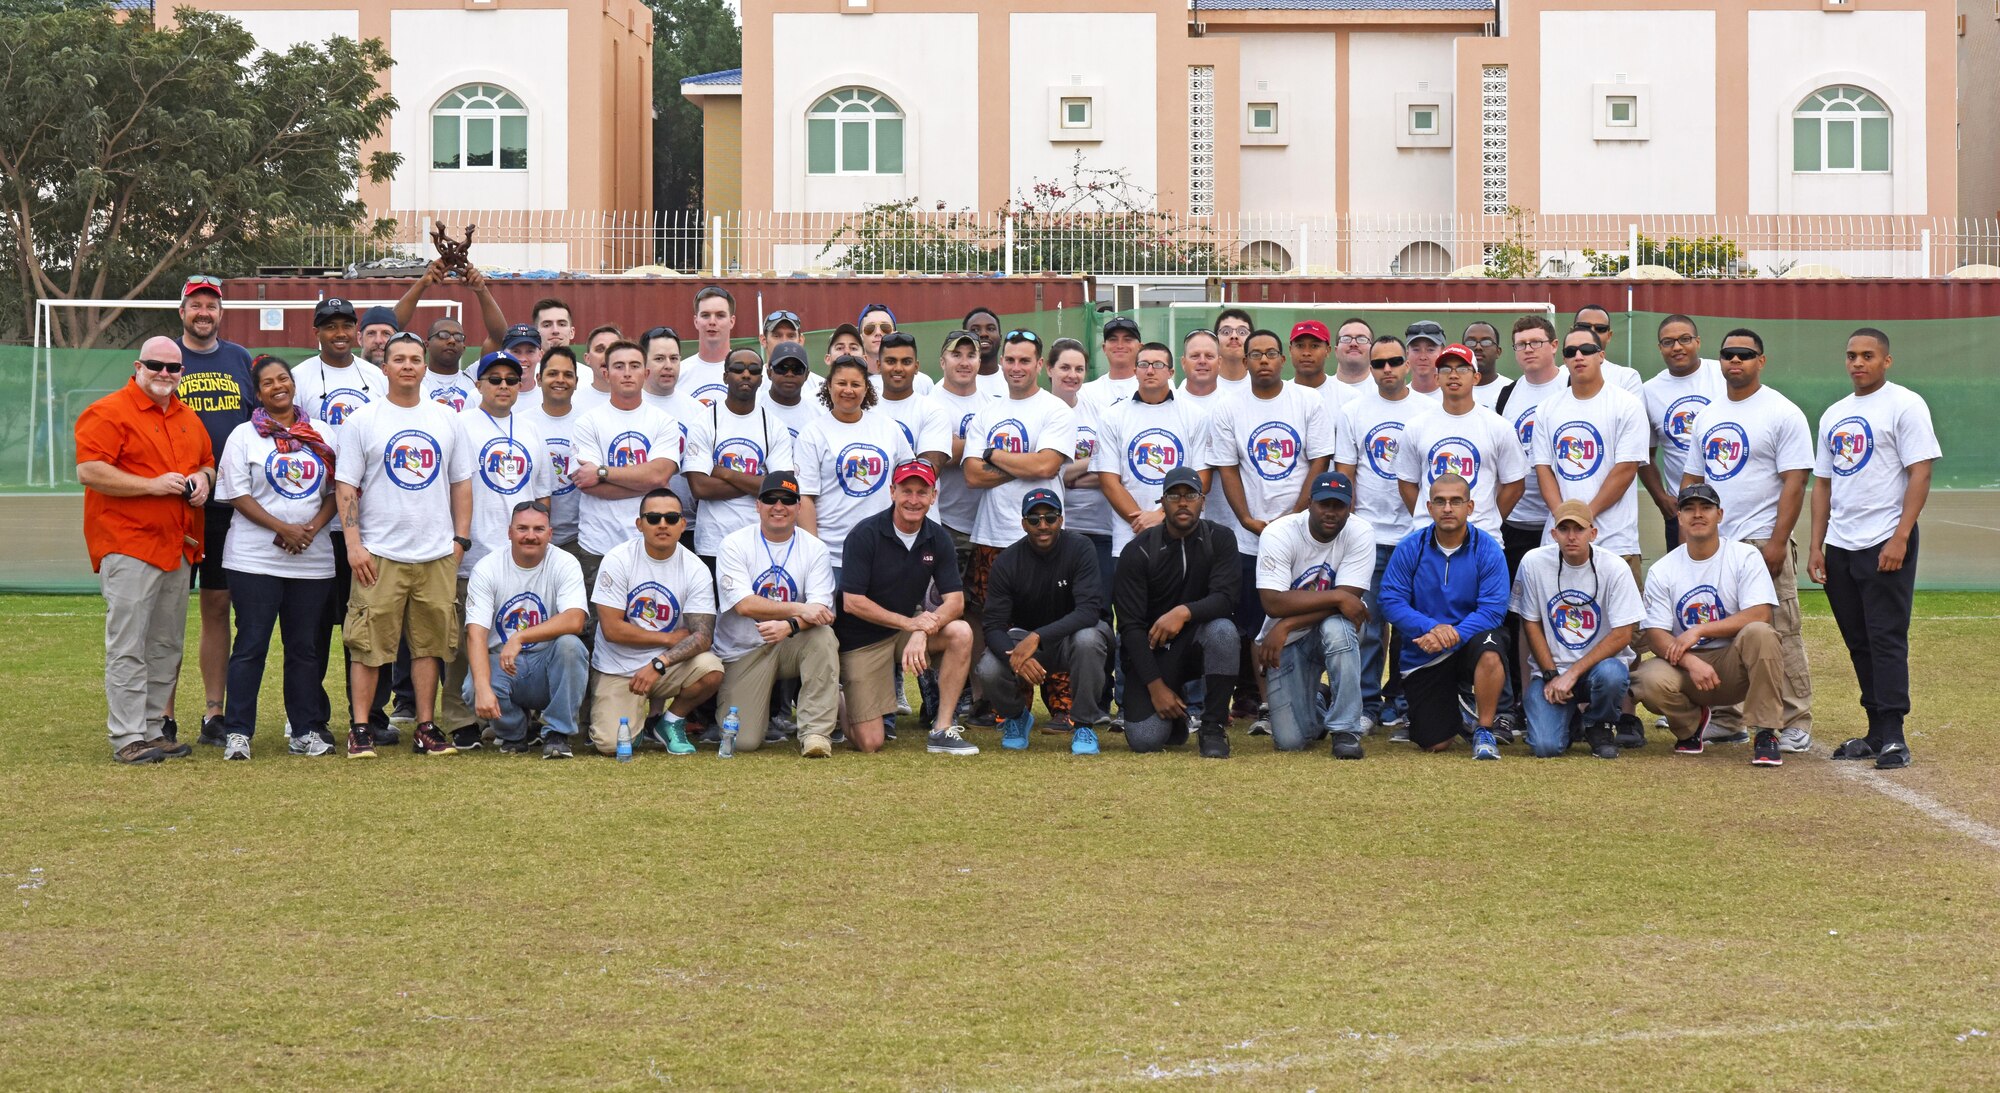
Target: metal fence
900, 239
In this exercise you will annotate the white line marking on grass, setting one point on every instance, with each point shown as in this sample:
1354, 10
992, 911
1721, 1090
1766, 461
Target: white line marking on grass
1950, 817
1963, 524
1954, 618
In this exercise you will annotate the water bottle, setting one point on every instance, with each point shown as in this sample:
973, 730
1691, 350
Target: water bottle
729, 727
624, 739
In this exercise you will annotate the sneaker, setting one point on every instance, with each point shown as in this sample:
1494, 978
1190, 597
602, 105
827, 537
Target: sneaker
387, 734
467, 739
814, 746
555, 745
211, 731
1213, 742
1660, 723
780, 730
138, 751
1117, 724
236, 746
712, 735
170, 729
1347, 745
1261, 726
1059, 725
360, 742
1483, 746
1083, 741
1629, 733
1503, 729
652, 733
839, 736
427, 740
1795, 740
1366, 727
1765, 751
171, 749
1893, 757
902, 704
1691, 746
677, 738
950, 741
1399, 733
1468, 712
1602, 740
1717, 735
310, 744
527, 745
889, 729
1014, 730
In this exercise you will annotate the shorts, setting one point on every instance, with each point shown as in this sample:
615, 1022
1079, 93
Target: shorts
208, 573
868, 677
1433, 690
409, 601
611, 697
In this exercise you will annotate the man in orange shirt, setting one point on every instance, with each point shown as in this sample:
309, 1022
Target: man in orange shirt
147, 468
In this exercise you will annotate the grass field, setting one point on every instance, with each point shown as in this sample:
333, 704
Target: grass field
1006, 921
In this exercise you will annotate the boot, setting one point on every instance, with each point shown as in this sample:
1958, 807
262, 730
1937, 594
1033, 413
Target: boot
1215, 716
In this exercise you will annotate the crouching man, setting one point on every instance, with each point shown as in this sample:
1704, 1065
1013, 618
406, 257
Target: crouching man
1578, 606
1045, 611
1313, 573
525, 608
655, 623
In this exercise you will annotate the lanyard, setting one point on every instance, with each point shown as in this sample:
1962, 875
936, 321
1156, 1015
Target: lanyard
790, 545
496, 423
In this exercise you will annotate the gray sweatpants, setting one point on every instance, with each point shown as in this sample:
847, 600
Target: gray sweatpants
1209, 649
1082, 655
145, 627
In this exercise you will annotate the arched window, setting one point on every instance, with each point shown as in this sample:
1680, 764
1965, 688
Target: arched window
1840, 128
479, 127
854, 131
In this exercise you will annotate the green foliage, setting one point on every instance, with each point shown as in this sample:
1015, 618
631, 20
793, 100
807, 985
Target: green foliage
1711, 256
1515, 255
897, 235
131, 155
690, 37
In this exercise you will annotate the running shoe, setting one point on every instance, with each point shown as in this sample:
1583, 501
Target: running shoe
1014, 730
1765, 751
950, 741
1083, 741
1483, 746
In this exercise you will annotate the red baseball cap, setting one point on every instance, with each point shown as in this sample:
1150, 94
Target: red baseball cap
916, 468
1459, 351
1313, 328
202, 282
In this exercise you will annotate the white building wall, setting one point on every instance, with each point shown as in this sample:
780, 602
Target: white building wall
927, 64
1297, 176
1403, 194
1115, 52
1672, 55
1797, 52
279, 31
438, 50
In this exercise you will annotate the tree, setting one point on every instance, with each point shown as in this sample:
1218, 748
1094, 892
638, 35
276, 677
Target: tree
690, 37
131, 155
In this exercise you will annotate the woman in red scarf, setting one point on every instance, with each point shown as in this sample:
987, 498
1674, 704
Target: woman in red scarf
277, 471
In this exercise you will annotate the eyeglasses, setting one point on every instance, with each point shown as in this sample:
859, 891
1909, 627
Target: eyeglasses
1476, 342
1354, 339
1683, 341
450, 335
1456, 365
658, 518
739, 369
788, 368
1387, 362
1233, 331
1532, 345
1739, 353
1596, 328
1264, 355
658, 332
1042, 520
1155, 365
899, 339
1450, 502
1581, 351
161, 366
504, 381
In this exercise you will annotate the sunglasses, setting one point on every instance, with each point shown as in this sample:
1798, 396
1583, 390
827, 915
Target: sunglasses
899, 339
788, 368
504, 381
871, 308
1042, 520
779, 498
1739, 353
1581, 351
745, 369
658, 518
659, 332
1387, 362
884, 329
202, 282
1024, 336
1597, 328
170, 367
404, 336
776, 317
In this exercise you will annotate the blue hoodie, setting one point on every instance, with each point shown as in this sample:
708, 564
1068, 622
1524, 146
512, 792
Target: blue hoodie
1422, 587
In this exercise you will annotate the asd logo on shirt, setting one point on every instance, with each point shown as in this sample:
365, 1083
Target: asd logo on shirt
710, 394
1454, 455
775, 584
411, 459
1273, 448
1701, 604
337, 406
652, 606
860, 469
1725, 451
628, 449
1524, 427
1850, 443
963, 424
451, 395
1153, 453
518, 614
1678, 422
1379, 448
1578, 449
1008, 436
1318, 578
559, 463
1574, 617
1086, 442
741, 455
504, 465
295, 475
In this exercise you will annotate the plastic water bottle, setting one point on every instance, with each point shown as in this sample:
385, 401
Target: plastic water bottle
729, 727
624, 739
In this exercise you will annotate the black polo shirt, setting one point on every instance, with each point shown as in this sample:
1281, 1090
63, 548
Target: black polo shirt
896, 577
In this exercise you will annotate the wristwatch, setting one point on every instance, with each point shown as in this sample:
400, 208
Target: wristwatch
659, 666
463, 542
603, 475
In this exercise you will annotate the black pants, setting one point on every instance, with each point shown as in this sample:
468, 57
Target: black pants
1516, 542
395, 682
1432, 691
292, 605
1872, 609
1672, 527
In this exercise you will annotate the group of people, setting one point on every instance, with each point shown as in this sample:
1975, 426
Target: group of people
1394, 536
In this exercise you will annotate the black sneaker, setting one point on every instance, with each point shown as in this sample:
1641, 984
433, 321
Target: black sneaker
555, 745
467, 738
211, 731
712, 735
1600, 738
427, 740
1765, 752
1893, 756
385, 733
526, 745
170, 729
1214, 742
1691, 746
1630, 733
1346, 745
1503, 729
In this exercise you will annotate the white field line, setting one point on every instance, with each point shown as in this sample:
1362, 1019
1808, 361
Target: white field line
1862, 772
1963, 524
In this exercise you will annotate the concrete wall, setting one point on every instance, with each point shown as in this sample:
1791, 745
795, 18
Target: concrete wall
1978, 132
1383, 178
422, 77
1301, 74
1117, 52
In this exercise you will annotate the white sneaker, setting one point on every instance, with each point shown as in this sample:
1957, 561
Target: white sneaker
311, 744
1660, 723
1794, 740
902, 705
1366, 727
236, 746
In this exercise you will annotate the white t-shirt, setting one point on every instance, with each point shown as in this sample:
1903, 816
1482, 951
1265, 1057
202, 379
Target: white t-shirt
404, 460
1104, 391
1519, 413
1626, 378
1583, 441
958, 504
1577, 605
330, 394
506, 599
1211, 402
1867, 444
1040, 422
1141, 441
683, 410
920, 387
796, 416
1672, 404
651, 594
456, 390
925, 427
1370, 444
755, 444
1743, 447
556, 441
1682, 593
1476, 445
290, 486
587, 398
1290, 558
844, 467
1488, 394
610, 437
991, 384
510, 465
701, 380
1272, 443
1084, 507
797, 570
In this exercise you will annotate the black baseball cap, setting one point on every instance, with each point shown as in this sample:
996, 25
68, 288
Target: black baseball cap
1122, 322
1424, 328
1041, 497
779, 482
331, 308
789, 351
521, 334
1333, 486
1699, 491
1181, 476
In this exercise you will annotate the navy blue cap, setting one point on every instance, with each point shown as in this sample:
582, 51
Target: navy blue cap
379, 316
1333, 486
1039, 497
491, 359
1181, 476
521, 334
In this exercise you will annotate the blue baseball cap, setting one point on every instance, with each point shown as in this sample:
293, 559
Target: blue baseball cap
1041, 497
378, 316
491, 359
521, 334
1181, 476
1333, 486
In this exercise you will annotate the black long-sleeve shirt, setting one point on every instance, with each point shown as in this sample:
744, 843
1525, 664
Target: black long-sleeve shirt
1054, 594
1156, 574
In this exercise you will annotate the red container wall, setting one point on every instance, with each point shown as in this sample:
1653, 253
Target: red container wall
1861, 301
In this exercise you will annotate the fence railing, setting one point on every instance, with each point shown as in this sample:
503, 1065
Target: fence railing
896, 239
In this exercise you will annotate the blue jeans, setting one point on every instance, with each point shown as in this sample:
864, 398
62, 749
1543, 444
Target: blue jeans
1597, 696
1380, 703
1296, 717
550, 676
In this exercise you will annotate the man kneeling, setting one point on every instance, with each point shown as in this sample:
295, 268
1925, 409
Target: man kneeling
1578, 605
1045, 610
1313, 572
1175, 590
777, 583
655, 622
526, 607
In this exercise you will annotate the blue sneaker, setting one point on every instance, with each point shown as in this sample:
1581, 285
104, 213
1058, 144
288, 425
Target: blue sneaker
1083, 741
1483, 746
1014, 730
